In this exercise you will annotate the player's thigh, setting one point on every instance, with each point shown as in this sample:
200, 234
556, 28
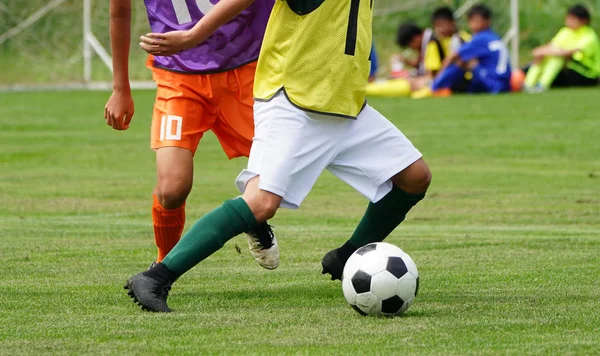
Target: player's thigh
374, 150
290, 150
183, 110
234, 126
481, 82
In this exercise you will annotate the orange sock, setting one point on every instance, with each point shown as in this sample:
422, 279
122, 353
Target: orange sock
168, 226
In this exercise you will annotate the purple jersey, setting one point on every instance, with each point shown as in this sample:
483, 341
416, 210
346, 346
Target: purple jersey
234, 44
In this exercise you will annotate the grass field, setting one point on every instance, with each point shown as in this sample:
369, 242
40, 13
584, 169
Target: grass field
507, 241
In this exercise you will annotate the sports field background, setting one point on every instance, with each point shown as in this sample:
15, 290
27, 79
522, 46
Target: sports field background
507, 241
50, 51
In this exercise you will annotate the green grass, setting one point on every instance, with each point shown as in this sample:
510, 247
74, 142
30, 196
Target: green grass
507, 241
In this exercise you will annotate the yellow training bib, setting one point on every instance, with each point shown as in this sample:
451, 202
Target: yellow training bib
317, 51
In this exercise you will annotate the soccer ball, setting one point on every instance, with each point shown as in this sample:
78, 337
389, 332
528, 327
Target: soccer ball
380, 279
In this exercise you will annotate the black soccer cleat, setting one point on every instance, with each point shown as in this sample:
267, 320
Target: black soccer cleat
149, 268
333, 264
149, 293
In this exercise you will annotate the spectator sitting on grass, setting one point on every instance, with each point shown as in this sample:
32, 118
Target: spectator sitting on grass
571, 59
432, 45
486, 57
414, 38
445, 40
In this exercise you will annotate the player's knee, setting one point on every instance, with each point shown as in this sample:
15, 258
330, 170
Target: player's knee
263, 206
415, 179
264, 210
423, 180
172, 196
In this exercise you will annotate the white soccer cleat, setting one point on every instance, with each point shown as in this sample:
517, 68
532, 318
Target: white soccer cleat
263, 246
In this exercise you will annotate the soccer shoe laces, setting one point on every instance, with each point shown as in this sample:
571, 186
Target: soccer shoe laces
162, 291
264, 234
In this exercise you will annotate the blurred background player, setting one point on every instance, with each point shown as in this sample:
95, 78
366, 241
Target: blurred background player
207, 87
445, 41
486, 57
374, 63
431, 46
415, 39
572, 58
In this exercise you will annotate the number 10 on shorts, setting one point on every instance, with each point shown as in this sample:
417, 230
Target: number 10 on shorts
170, 127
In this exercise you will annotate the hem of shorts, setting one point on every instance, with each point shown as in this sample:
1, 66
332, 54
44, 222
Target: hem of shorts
397, 167
156, 148
286, 201
246, 175
216, 71
282, 90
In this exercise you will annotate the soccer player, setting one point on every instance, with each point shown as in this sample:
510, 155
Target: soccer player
433, 45
486, 57
410, 36
206, 87
310, 114
445, 40
571, 59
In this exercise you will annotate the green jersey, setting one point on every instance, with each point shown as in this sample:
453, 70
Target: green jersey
586, 61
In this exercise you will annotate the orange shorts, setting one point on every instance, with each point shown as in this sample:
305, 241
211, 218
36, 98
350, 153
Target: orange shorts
188, 105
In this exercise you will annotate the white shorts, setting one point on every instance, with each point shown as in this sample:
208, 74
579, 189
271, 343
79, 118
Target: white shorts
292, 147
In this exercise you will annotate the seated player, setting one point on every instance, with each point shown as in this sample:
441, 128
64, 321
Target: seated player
432, 45
446, 40
571, 59
414, 38
374, 63
486, 57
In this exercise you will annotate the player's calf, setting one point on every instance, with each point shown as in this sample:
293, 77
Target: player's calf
383, 216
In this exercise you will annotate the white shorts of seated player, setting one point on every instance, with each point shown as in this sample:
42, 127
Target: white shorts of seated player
292, 147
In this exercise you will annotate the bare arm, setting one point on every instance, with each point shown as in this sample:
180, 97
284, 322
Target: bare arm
120, 34
164, 44
559, 52
119, 109
453, 57
550, 50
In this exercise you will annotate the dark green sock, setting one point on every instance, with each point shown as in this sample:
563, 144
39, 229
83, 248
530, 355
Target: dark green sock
380, 219
209, 234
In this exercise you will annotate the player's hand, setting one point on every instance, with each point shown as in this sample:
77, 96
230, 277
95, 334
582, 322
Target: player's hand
166, 44
119, 110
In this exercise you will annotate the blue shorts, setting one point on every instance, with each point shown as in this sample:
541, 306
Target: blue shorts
482, 82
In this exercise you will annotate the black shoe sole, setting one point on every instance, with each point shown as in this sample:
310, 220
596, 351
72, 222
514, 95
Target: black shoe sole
132, 295
326, 263
327, 271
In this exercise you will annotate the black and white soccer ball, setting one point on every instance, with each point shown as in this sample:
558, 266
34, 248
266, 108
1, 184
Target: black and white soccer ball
380, 279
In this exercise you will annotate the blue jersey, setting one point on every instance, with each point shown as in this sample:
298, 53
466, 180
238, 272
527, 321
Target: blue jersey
491, 53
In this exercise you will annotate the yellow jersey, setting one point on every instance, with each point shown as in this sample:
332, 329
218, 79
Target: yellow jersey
438, 49
317, 52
